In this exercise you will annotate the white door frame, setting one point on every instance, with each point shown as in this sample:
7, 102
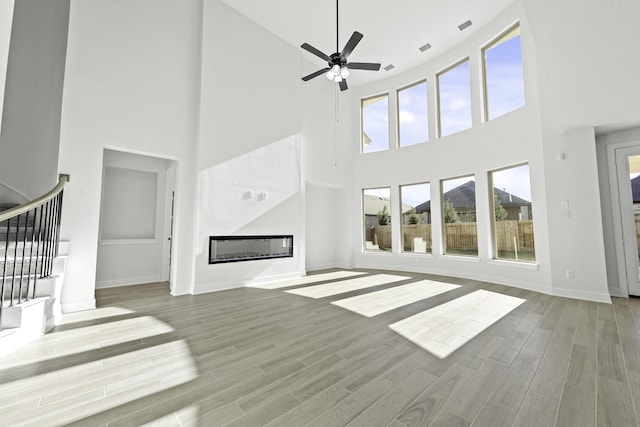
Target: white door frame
623, 220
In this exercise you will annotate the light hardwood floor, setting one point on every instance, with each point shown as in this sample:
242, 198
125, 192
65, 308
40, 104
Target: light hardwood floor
259, 356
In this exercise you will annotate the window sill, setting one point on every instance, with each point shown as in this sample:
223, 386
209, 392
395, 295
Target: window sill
376, 253
473, 259
514, 264
416, 255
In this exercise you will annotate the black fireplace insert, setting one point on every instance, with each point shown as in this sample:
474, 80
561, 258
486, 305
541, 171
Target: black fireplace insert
249, 248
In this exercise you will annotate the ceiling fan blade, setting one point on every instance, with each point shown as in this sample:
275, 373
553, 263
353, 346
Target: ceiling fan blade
363, 66
351, 44
343, 85
316, 74
316, 52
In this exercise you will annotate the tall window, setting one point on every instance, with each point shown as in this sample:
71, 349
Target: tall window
416, 218
512, 214
375, 123
454, 99
503, 80
376, 205
459, 216
413, 123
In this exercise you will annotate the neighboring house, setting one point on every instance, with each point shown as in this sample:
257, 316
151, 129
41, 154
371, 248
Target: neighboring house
463, 199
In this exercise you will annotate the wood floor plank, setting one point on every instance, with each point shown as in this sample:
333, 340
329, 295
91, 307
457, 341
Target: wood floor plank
384, 411
549, 377
428, 405
265, 414
615, 406
537, 410
579, 392
351, 406
253, 356
311, 408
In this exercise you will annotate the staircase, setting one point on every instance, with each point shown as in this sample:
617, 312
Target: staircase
32, 266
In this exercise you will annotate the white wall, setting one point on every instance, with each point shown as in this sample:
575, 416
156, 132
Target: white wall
249, 142
507, 140
580, 91
569, 91
6, 20
132, 260
33, 96
131, 84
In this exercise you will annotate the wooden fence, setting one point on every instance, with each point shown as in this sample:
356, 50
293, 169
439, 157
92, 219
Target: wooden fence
464, 235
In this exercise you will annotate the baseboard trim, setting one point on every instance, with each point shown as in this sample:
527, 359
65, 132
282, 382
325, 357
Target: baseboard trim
583, 295
204, 288
127, 282
71, 307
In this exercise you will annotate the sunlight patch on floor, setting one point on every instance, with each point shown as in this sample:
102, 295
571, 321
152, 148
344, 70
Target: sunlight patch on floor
378, 302
340, 287
443, 329
314, 278
104, 383
98, 313
66, 343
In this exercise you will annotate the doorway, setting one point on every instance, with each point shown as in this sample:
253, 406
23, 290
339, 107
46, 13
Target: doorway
135, 219
627, 161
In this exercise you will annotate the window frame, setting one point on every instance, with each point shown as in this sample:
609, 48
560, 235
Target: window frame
364, 222
430, 247
438, 104
496, 41
362, 133
443, 227
494, 239
398, 90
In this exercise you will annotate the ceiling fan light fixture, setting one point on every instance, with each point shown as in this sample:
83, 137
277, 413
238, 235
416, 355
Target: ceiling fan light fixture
338, 65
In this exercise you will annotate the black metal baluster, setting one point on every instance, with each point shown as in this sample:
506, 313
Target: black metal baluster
38, 251
4, 271
15, 260
24, 246
59, 221
33, 236
50, 228
45, 252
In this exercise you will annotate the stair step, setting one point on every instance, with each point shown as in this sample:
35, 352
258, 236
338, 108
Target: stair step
6, 206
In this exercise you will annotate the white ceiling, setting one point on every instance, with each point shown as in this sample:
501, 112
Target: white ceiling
393, 30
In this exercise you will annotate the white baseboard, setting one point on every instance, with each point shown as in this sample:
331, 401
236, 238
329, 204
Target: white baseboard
127, 281
70, 307
584, 295
203, 288
317, 267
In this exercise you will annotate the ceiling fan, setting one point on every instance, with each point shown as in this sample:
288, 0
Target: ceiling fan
338, 67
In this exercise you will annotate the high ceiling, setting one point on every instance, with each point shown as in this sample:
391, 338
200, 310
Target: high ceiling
393, 30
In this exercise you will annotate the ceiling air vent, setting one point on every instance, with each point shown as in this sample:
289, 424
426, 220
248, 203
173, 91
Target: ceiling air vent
464, 25
389, 67
425, 47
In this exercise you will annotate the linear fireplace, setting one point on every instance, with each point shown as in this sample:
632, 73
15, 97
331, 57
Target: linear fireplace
249, 248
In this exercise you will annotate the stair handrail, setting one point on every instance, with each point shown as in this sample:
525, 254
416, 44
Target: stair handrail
20, 209
18, 285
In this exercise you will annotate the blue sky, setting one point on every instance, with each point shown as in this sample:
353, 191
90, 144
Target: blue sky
505, 86
455, 99
413, 115
375, 123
